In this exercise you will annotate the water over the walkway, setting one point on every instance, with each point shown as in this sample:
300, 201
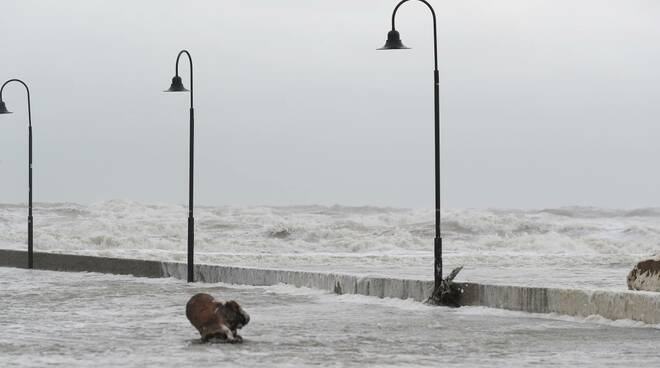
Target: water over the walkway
87, 319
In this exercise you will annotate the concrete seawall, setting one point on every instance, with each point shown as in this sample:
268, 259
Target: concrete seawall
637, 306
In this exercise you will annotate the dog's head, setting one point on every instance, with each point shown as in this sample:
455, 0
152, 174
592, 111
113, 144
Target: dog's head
235, 317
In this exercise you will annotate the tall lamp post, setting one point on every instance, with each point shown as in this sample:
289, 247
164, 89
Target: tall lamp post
177, 86
3, 110
394, 43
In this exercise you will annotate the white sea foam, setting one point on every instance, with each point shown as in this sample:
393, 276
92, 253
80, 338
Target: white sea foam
592, 319
569, 245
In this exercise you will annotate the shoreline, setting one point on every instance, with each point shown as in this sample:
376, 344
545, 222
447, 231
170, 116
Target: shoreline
614, 305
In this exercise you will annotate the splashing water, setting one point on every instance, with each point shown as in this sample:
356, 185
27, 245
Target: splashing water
569, 246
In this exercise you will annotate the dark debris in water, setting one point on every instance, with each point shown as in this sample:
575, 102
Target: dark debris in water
280, 234
448, 293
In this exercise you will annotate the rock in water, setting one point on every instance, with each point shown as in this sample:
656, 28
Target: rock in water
215, 320
645, 275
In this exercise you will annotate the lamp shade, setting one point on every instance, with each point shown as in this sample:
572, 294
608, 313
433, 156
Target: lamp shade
393, 41
177, 85
3, 108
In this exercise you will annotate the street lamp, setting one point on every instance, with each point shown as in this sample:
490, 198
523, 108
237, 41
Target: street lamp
177, 86
3, 110
394, 43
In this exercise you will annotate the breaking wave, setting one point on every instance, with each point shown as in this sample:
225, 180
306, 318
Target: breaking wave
335, 229
341, 237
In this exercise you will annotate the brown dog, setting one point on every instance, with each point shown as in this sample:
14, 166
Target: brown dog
216, 320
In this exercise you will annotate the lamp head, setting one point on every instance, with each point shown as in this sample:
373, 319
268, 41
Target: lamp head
177, 85
3, 108
393, 41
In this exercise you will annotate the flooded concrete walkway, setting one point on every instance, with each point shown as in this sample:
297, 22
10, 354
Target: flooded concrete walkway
84, 319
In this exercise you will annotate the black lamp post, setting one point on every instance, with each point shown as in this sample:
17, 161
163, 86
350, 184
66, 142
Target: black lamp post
3, 110
177, 86
394, 43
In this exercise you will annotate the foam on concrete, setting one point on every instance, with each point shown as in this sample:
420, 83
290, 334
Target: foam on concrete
637, 306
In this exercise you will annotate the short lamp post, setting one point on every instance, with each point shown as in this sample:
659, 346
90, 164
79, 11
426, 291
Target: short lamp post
177, 86
394, 43
3, 110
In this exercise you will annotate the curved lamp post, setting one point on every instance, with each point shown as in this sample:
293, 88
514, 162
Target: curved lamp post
177, 86
394, 43
3, 110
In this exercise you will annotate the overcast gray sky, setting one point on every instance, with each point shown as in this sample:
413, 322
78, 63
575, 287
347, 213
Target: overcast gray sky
543, 103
